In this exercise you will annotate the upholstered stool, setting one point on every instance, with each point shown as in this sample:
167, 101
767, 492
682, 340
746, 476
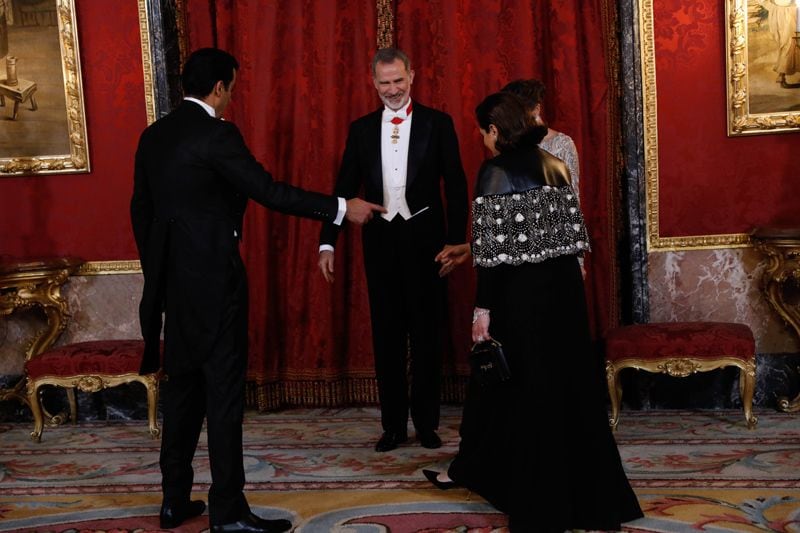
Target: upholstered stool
680, 349
89, 366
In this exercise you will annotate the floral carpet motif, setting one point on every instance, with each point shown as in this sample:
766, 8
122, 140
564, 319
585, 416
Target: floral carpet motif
699, 471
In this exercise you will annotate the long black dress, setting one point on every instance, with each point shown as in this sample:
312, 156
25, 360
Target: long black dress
539, 447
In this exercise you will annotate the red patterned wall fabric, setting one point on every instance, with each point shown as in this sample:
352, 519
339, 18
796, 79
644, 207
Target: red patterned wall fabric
302, 83
710, 183
464, 51
87, 214
304, 76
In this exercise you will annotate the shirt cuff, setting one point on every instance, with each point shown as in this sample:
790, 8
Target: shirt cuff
325, 248
342, 211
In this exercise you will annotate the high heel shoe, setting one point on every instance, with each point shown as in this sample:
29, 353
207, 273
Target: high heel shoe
441, 485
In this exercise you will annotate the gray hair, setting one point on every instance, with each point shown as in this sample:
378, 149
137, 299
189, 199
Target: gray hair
389, 55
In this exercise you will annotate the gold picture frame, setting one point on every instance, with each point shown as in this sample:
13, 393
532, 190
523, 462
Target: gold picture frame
58, 145
147, 61
763, 66
655, 241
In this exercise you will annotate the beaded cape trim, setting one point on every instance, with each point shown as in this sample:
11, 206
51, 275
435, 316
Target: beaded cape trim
527, 227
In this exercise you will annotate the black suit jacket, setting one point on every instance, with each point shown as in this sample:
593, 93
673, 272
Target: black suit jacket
433, 159
193, 177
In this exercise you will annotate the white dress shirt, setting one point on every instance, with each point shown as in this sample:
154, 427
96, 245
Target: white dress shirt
394, 161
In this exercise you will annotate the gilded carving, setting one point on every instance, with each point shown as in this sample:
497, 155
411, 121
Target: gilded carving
655, 242
683, 367
78, 158
782, 251
90, 383
147, 63
36, 285
97, 268
679, 368
742, 120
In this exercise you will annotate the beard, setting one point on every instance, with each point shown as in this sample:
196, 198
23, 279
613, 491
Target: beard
395, 102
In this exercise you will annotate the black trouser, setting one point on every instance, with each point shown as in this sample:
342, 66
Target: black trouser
406, 298
216, 392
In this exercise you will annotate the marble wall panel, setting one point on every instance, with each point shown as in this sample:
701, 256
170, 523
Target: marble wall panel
717, 285
102, 307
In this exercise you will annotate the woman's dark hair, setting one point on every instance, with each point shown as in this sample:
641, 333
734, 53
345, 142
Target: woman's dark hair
204, 68
507, 112
531, 92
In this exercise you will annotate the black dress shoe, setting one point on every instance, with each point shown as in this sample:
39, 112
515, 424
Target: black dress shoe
254, 524
390, 440
443, 485
171, 516
429, 439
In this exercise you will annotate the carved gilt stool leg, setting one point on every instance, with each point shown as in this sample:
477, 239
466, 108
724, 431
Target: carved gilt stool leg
73, 405
747, 387
90, 367
36, 409
151, 384
614, 393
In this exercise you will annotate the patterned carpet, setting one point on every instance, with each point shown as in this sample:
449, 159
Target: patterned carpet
701, 471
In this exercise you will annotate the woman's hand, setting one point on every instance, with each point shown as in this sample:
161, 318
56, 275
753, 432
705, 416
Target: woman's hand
451, 256
480, 325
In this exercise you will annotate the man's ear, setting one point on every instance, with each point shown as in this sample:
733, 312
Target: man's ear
219, 87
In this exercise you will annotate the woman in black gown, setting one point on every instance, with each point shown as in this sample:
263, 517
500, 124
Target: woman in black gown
538, 447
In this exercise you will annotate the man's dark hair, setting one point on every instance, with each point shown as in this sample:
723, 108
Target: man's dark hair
531, 92
204, 68
507, 112
389, 55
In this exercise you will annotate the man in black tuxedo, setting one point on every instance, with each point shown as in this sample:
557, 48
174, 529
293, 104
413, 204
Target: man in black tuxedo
193, 177
401, 155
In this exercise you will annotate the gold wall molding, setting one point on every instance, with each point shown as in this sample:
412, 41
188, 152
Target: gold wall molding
385, 13
147, 62
99, 268
655, 242
740, 120
75, 115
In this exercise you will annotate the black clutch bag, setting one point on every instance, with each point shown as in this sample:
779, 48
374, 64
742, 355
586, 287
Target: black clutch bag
488, 363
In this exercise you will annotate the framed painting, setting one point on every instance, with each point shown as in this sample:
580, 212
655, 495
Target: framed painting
763, 66
42, 116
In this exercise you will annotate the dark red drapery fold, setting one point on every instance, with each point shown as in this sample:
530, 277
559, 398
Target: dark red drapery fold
464, 50
305, 75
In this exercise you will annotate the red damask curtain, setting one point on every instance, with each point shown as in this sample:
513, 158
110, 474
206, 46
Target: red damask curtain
305, 75
464, 50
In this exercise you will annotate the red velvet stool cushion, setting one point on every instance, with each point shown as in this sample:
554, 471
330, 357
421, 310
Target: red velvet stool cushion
113, 357
681, 339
